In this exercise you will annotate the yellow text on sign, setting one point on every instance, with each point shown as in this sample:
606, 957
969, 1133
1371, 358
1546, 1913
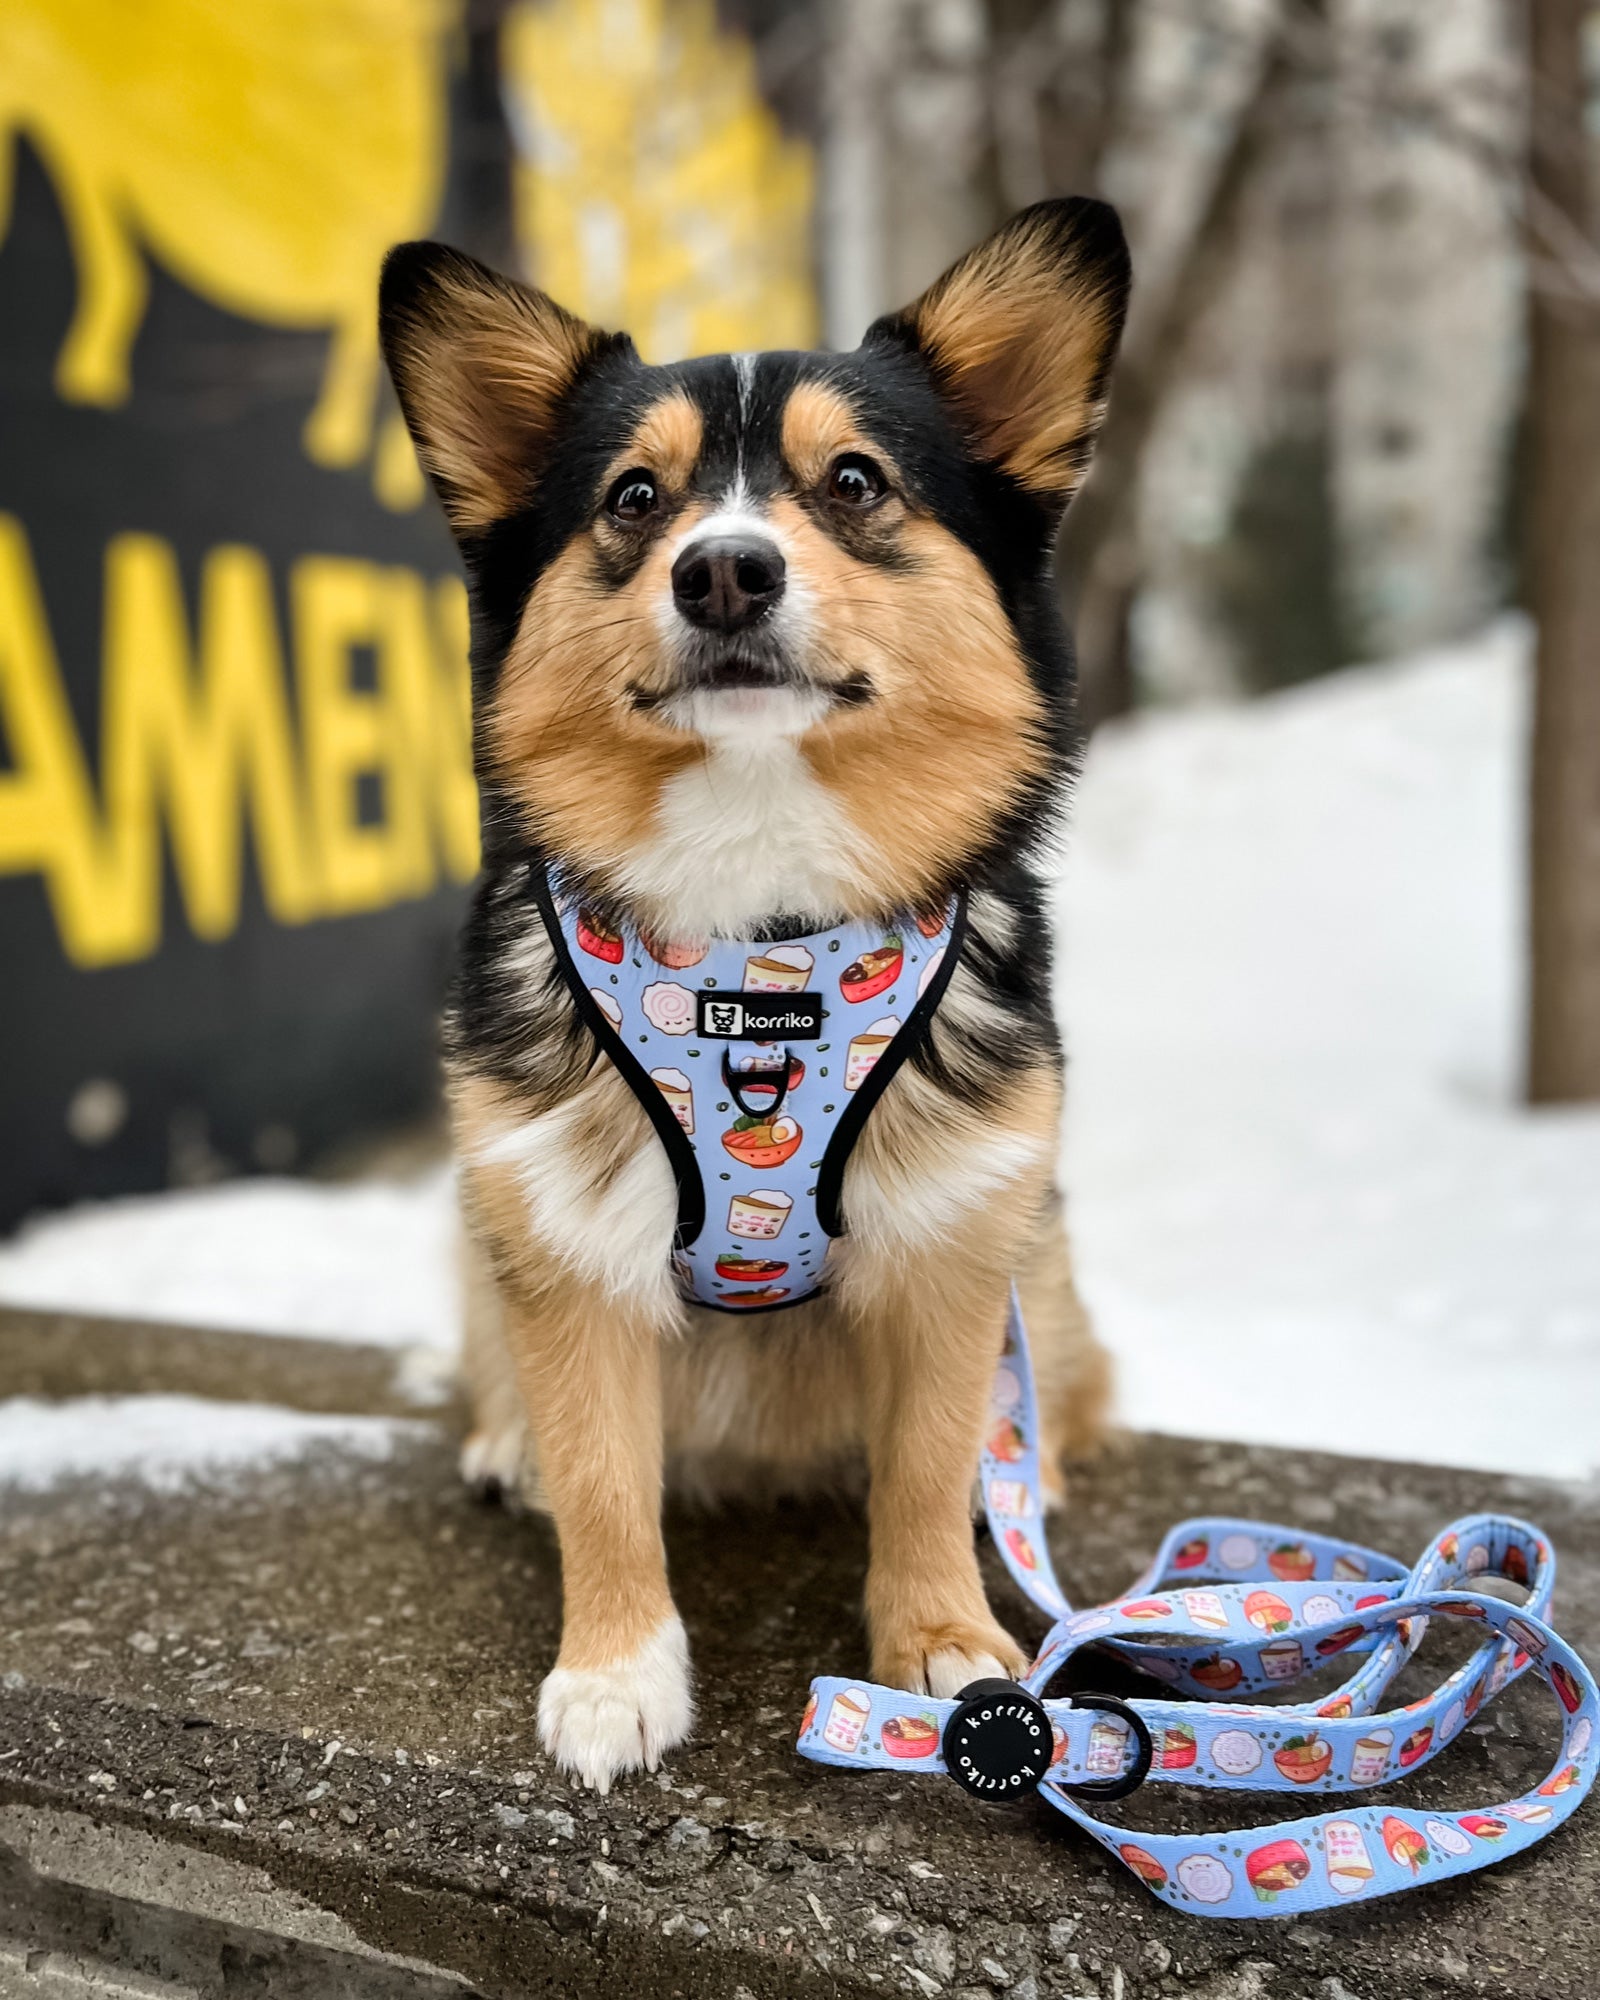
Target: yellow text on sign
199, 736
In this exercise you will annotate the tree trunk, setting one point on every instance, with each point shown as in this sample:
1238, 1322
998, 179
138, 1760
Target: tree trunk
479, 207
1563, 574
859, 51
1098, 560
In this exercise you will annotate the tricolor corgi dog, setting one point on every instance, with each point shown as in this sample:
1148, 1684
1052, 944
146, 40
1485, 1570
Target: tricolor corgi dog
772, 723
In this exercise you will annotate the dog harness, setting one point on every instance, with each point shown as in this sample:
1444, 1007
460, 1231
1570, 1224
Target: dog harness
758, 1064
1228, 1609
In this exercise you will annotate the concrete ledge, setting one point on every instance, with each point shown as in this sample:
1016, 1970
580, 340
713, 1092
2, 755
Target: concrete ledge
77, 1354
158, 1916
276, 1737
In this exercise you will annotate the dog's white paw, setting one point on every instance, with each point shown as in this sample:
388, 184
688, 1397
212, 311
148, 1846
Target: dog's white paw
598, 1722
953, 1668
943, 1656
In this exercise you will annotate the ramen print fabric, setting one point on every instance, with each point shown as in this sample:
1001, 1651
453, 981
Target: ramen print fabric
1231, 1607
763, 1126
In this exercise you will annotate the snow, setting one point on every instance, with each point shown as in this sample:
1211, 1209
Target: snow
170, 1443
369, 1261
1306, 1205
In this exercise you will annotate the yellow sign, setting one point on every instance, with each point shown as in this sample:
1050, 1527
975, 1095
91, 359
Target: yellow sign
656, 190
194, 734
267, 152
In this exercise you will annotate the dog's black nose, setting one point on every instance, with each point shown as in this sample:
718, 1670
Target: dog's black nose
726, 582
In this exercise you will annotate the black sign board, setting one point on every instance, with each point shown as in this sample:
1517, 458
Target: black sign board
236, 803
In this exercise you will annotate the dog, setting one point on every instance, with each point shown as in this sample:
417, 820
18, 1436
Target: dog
761, 644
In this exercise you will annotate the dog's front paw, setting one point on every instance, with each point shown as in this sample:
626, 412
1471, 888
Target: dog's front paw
943, 1659
598, 1722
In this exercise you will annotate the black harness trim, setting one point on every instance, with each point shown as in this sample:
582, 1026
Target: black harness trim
685, 1167
830, 1176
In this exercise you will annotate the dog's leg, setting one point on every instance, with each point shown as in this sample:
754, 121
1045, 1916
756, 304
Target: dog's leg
929, 1359
590, 1369
942, 1203
1072, 1371
574, 1208
497, 1459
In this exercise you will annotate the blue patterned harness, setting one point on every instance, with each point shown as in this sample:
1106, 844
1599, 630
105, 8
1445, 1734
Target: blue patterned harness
758, 1064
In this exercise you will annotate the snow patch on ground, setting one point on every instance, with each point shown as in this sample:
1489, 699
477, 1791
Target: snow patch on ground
369, 1261
1306, 1205
170, 1443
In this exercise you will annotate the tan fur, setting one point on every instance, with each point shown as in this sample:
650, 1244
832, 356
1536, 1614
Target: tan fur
494, 1457
819, 426
952, 696
481, 375
591, 1377
931, 1329
666, 442
1021, 349
894, 1369
757, 1409
950, 691
908, 727
588, 1366
586, 765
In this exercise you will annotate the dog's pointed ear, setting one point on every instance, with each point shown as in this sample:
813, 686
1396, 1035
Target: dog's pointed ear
1019, 337
481, 365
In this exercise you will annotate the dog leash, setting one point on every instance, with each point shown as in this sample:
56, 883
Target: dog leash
1228, 1608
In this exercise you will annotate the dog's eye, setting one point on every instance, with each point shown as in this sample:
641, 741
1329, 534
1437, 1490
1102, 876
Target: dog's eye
856, 480
634, 497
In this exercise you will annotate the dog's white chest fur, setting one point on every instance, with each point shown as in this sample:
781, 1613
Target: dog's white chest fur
745, 832
608, 1220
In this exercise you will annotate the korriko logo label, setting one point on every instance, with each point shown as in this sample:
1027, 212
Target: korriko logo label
760, 1017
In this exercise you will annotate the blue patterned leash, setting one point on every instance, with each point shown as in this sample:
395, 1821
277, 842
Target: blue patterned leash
1229, 1608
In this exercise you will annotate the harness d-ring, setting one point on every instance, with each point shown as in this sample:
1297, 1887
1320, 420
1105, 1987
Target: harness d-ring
763, 1078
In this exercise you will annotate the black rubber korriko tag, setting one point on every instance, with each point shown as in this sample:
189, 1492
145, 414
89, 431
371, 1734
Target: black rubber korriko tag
998, 1743
759, 1017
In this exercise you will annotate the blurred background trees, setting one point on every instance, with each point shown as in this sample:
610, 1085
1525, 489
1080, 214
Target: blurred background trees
1307, 453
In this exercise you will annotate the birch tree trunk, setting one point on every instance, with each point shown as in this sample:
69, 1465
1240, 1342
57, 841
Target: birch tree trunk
1429, 296
859, 51
1564, 568
1100, 557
